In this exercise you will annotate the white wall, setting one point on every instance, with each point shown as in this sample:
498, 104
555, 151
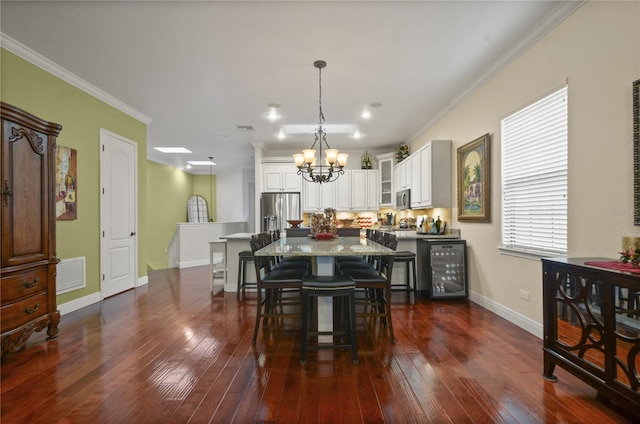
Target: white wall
232, 195
598, 50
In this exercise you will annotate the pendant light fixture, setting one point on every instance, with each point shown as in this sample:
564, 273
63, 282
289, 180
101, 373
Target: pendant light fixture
331, 166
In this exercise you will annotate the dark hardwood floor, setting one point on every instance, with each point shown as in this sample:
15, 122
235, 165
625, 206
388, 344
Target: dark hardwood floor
172, 353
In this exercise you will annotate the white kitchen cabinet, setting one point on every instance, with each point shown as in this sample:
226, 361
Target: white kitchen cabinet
317, 197
358, 190
344, 192
416, 178
373, 189
402, 174
435, 176
385, 168
280, 177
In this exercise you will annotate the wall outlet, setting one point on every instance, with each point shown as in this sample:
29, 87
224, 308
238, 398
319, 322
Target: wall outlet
525, 295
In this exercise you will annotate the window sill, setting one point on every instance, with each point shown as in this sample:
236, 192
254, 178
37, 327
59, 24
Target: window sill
534, 255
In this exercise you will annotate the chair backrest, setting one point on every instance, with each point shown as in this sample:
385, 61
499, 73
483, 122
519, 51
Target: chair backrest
261, 263
386, 261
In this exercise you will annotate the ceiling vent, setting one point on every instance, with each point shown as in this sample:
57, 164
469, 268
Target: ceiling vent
245, 127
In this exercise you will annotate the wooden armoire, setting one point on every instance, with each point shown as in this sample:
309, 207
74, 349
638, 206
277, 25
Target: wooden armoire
28, 252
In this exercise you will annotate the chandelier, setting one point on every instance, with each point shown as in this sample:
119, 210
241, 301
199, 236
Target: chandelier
334, 162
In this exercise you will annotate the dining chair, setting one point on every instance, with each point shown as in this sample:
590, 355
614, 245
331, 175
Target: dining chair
270, 285
376, 283
341, 290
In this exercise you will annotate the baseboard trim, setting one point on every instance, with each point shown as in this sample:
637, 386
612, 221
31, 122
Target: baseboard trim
190, 264
510, 315
80, 303
143, 281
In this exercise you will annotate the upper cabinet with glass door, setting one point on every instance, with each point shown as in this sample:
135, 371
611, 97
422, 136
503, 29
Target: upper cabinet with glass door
385, 167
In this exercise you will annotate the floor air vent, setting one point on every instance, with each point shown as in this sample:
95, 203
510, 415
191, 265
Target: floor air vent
71, 275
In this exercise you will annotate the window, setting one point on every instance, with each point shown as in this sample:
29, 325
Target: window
534, 177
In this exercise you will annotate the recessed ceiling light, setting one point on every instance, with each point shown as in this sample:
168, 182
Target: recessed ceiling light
273, 114
172, 149
376, 104
281, 135
201, 162
357, 134
366, 114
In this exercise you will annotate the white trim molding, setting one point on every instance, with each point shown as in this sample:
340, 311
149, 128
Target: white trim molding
74, 305
510, 315
143, 281
42, 62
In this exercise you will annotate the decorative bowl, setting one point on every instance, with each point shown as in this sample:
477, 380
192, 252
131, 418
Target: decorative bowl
346, 222
324, 236
295, 223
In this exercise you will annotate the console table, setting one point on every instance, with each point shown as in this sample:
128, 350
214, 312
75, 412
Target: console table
591, 324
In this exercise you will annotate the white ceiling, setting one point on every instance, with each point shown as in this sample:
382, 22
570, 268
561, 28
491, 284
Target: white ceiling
198, 69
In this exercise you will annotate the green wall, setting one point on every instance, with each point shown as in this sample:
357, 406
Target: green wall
205, 186
28, 87
168, 192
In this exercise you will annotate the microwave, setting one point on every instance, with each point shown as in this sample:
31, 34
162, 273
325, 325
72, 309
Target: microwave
403, 199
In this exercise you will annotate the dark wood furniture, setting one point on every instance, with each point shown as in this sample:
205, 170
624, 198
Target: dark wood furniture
589, 331
28, 258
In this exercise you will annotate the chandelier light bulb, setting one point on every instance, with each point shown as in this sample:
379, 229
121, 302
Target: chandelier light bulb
298, 158
331, 155
342, 159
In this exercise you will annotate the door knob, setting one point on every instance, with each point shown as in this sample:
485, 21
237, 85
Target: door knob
133, 233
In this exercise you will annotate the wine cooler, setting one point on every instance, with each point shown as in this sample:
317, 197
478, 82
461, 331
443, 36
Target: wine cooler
443, 266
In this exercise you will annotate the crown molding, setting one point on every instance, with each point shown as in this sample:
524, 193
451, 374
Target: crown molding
559, 14
42, 62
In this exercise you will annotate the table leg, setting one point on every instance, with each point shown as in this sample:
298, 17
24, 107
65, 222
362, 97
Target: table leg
324, 266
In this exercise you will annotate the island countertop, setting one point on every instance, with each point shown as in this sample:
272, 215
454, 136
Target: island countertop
237, 236
339, 246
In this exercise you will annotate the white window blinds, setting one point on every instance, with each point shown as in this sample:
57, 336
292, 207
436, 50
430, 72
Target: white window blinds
534, 176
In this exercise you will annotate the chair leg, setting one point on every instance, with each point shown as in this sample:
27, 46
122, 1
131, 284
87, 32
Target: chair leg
415, 280
240, 277
258, 310
387, 305
305, 323
352, 328
407, 276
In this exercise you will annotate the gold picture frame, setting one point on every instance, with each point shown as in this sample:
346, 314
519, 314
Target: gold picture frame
66, 184
474, 180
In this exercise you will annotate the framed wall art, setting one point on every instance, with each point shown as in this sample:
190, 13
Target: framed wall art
66, 183
474, 181
636, 152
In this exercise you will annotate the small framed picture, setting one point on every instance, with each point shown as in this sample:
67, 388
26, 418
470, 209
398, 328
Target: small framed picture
474, 181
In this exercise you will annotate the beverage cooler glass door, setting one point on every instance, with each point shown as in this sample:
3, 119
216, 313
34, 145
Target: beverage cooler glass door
448, 274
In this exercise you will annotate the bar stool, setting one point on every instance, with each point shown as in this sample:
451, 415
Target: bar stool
244, 257
409, 259
336, 287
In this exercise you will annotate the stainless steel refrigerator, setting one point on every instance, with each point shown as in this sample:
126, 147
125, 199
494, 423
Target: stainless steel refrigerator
277, 208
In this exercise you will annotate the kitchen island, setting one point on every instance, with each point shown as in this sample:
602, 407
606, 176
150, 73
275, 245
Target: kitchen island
236, 243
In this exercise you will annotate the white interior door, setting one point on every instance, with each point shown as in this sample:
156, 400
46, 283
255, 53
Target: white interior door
118, 213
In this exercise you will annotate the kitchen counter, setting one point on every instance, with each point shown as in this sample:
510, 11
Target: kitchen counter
237, 236
413, 235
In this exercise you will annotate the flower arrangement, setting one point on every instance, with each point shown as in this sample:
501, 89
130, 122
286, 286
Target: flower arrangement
402, 152
631, 256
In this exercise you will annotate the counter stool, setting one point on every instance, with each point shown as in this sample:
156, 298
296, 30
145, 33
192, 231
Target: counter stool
338, 287
244, 257
409, 259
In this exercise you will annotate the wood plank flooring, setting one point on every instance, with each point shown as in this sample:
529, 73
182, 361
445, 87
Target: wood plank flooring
170, 352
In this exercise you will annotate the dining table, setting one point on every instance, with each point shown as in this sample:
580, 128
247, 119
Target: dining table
322, 253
